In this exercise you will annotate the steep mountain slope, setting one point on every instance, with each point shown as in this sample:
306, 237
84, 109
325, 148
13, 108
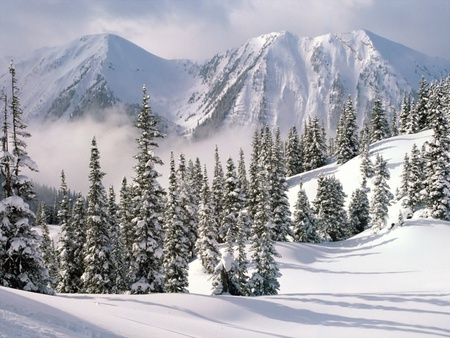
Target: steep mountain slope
275, 79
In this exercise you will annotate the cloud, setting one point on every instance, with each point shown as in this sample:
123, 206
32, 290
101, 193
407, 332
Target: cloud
67, 145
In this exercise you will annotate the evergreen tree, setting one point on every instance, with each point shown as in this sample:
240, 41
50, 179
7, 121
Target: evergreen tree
394, 124
253, 173
243, 199
207, 246
188, 203
416, 178
406, 168
176, 243
146, 271
314, 147
99, 269
379, 127
278, 192
217, 194
421, 107
405, 119
381, 195
366, 165
359, 210
47, 245
294, 163
231, 203
117, 246
264, 280
21, 263
438, 169
68, 281
329, 208
304, 223
347, 134
78, 228
126, 224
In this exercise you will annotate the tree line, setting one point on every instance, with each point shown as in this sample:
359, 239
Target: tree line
145, 242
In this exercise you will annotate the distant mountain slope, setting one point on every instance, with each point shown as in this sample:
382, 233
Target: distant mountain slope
275, 79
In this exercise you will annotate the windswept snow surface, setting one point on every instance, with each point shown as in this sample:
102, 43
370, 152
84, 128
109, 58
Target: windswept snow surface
392, 284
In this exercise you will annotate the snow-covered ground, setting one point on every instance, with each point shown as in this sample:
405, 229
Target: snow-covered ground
392, 284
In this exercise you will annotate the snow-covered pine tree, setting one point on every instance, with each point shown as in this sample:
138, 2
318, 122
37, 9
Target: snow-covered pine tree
98, 276
438, 169
404, 187
394, 124
304, 222
264, 280
21, 262
347, 134
146, 270
314, 146
359, 210
78, 225
253, 174
366, 165
68, 281
278, 191
126, 225
217, 195
329, 209
416, 178
405, 118
176, 242
231, 203
240, 268
379, 127
188, 203
294, 161
207, 246
243, 187
421, 106
47, 245
117, 246
382, 196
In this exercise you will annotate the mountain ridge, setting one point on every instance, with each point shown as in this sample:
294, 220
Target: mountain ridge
276, 79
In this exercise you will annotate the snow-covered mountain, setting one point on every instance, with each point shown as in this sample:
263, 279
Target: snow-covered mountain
275, 79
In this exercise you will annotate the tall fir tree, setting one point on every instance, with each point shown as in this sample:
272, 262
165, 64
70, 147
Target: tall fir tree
304, 222
264, 280
47, 245
379, 127
217, 197
382, 196
99, 269
78, 226
176, 243
117, 246
231, 203
207, 245
294, 161
347, 134
359, 210
125, 218
438, 155
278, 191
21, 263
146, 272
68, 280
329, 209
421, 106
416, 178
188, 203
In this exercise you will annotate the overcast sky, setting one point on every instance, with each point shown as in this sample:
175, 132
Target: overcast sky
198, 29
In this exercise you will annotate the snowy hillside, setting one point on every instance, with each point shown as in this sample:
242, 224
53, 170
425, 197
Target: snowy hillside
392, 284
275, 79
